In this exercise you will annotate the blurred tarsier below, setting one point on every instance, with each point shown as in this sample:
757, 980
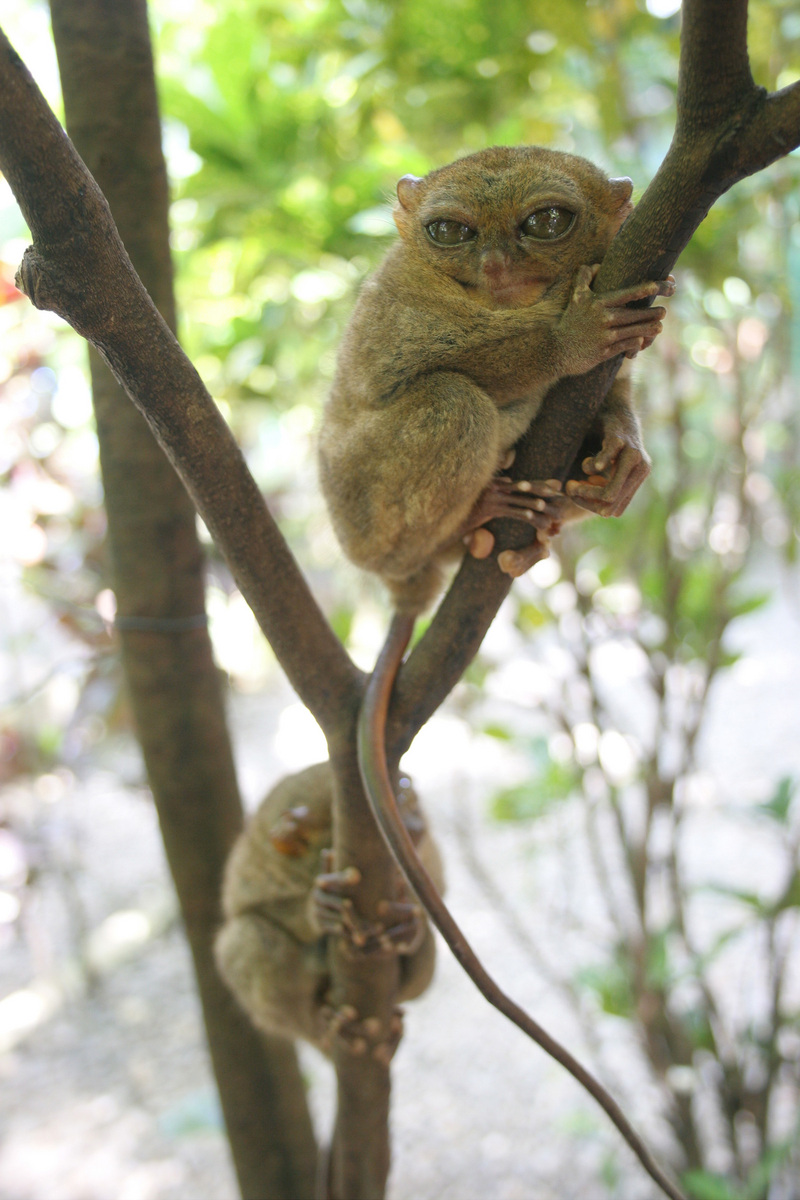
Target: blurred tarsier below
281, 903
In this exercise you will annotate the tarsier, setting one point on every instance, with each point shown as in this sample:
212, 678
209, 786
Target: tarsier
480, 307
281, 903
483, 303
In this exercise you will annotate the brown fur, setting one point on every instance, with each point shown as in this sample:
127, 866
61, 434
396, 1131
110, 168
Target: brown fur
451, 350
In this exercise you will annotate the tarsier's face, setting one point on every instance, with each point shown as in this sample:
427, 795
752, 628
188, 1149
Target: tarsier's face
510, 223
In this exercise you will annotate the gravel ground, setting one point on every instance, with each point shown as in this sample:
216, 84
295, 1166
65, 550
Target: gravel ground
109, 1093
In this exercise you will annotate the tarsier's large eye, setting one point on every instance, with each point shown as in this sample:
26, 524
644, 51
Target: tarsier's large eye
546, 224
450, 233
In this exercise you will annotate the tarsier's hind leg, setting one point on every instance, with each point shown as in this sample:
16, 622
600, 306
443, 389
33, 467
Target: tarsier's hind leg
421, 461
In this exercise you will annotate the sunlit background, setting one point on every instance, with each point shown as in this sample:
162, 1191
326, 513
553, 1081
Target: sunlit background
614, 781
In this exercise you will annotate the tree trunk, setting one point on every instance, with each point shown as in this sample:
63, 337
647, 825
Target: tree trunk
110, 101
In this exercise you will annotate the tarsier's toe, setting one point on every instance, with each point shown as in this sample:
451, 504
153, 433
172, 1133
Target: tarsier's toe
517, 562
480, 543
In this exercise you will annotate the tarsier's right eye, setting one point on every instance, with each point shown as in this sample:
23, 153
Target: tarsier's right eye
450, 233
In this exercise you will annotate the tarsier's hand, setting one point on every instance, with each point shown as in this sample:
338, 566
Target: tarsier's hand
613, 475
400, 930
358, 1036
595, 328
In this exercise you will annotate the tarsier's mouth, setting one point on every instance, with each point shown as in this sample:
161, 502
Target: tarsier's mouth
510, 293
517, 293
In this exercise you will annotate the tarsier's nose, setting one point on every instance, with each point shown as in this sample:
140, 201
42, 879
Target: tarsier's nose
495, 264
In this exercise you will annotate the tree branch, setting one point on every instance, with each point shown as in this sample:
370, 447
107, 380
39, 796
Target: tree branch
714, 70
78, 268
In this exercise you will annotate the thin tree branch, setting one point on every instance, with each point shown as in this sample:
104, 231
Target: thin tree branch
78, 268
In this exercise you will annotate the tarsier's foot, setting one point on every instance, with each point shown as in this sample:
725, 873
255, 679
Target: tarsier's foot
517, 562
613, 477
538, 503
403, 927
400, 930
367, 1036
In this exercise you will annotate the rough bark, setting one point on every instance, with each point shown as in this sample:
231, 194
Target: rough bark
106, 69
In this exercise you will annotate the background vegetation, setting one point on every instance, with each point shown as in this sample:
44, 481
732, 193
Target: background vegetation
286, 126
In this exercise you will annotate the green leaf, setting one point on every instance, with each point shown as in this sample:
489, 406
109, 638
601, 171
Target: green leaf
702, 1185
778, 807
531, 617
611, 984
525, 802
750, 899
495, 730
698, 1030
791, 897
739, 608
659, 967
551, 782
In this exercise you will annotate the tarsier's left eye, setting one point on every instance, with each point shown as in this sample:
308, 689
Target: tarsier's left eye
546, 224
450, 233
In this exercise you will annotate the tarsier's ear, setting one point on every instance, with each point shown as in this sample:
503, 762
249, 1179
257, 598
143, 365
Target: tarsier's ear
406, 188
621, 188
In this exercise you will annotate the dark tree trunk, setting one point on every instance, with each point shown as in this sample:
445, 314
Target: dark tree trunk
106, 70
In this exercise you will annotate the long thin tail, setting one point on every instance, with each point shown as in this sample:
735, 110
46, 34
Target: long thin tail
378, 786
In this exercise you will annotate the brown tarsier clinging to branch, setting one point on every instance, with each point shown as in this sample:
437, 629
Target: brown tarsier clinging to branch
483, 303
480, 307
281, 903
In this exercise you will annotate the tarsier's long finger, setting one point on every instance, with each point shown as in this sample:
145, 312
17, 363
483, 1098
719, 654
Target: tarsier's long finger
610, 497
633, 330
503, 497
645, 342
328, 906
637, 316
630, 347
339, 882
403, 926
517, 562
523, 499
538, 512
545, 488
612, 447
585, 276
639, 291
399, 910
631, 472
402, 939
